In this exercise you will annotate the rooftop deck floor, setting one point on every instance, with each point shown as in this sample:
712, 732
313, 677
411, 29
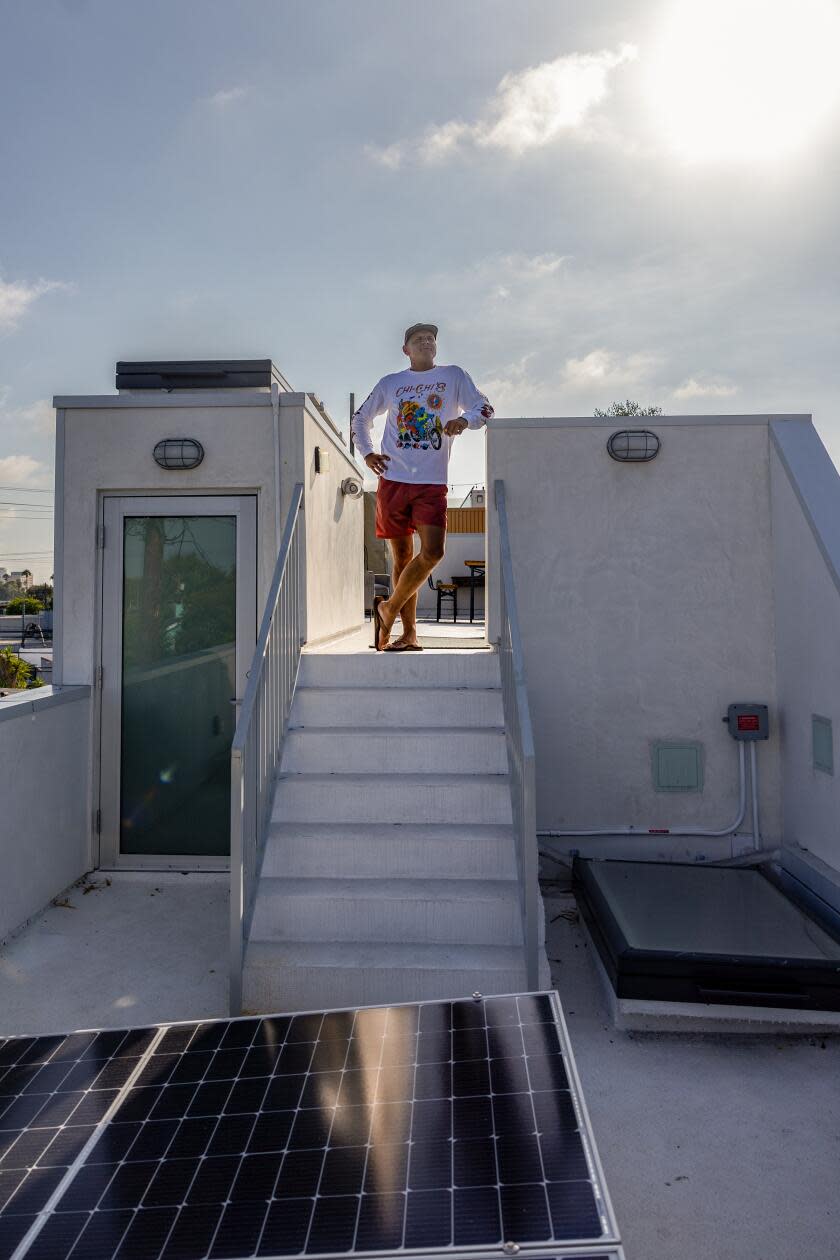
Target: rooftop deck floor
132, 949
433, 635
714, 1148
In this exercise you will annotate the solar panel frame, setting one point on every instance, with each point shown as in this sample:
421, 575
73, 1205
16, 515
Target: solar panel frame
226, 1047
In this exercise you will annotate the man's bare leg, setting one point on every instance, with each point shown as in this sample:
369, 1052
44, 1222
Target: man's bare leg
412, 576
402, 552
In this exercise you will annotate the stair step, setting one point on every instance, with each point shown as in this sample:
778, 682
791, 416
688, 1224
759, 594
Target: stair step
386, 798
295, 976
435, 911
393, 706
390, 850
463, 668
361, 749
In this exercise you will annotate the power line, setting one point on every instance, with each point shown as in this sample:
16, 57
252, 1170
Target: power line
26, 489
14, 503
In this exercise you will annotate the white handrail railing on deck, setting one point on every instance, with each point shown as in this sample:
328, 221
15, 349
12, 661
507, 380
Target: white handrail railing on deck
520, 747
258, 740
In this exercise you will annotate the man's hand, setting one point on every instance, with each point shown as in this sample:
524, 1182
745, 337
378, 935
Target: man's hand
377, 463
453, 427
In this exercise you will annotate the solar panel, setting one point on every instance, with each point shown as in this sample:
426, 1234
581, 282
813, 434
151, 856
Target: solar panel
419, 1128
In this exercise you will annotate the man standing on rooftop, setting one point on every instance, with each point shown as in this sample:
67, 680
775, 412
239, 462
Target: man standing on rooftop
427, 408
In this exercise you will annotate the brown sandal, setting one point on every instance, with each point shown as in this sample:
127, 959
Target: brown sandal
377, 624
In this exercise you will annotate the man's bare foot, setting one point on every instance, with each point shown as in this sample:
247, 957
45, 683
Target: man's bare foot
408, 638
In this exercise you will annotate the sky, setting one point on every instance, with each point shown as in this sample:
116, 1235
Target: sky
593, 199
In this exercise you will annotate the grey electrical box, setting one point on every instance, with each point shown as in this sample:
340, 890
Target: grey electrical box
748, 721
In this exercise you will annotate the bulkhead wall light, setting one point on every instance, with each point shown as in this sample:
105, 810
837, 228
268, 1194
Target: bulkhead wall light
178, 453
633, 446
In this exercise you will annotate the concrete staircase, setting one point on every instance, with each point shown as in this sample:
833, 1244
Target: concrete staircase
390, 869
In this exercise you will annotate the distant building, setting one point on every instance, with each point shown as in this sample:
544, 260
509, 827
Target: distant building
24, 577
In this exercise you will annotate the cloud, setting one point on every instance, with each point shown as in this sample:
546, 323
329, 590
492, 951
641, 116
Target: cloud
606, 367
227, 96
693, 388
529, 110
22, 470
36, 418
509, 278
506, 389
17, 298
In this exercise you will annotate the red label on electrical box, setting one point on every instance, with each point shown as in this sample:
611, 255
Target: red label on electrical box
747, 721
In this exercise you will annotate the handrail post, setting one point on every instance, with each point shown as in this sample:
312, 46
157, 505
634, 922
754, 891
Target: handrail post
256, 748
520, 746
236, 882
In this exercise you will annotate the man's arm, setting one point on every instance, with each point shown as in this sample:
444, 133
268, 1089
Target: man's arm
363, 418
362, 424
475, 405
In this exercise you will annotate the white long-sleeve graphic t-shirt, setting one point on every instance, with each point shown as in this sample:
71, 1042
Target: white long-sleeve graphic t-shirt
419, 404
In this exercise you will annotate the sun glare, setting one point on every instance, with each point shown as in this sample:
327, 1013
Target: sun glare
743, 79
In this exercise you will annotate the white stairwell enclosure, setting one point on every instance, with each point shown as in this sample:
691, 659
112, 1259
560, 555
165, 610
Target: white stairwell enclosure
383, 841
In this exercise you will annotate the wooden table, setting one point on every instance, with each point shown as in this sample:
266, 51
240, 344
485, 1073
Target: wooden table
476, 568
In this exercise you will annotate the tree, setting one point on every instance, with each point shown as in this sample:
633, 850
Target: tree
627, 408
14, 672
24, 604
43, 592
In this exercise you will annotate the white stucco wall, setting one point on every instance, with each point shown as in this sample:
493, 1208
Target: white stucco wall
45, 836
806, 556
646, 599
334, 536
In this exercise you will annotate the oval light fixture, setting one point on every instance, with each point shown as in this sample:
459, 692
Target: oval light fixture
174, 453
633, 446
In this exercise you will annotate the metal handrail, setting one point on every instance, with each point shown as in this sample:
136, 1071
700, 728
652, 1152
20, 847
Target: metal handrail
258, 739
520, 747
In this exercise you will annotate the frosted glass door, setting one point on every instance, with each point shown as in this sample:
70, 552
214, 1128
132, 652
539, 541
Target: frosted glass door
178, 683
178, 634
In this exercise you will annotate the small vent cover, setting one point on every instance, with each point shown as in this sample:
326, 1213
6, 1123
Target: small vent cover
822, 744
179, 453
633, 446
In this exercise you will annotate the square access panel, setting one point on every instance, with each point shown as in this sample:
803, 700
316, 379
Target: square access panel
677, 767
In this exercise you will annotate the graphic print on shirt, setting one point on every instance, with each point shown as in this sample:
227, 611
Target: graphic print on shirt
417, 424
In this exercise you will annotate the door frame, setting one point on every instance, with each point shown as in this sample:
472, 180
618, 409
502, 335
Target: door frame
115, 507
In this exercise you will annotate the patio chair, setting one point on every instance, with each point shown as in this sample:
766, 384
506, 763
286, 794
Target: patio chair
445, 590
376, 584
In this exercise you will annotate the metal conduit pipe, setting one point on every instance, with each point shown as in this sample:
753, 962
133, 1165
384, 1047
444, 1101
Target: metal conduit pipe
685, 831
754, 785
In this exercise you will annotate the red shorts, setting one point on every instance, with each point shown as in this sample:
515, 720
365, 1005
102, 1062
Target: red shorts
403, 505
